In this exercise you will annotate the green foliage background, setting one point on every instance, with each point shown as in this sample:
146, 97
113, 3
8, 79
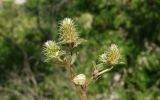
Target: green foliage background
132, 24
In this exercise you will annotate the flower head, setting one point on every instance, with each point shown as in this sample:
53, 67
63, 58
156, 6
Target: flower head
52, 51
86, 20
68, 32
111, 56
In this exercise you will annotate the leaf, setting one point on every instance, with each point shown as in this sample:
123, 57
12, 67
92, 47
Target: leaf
73, 59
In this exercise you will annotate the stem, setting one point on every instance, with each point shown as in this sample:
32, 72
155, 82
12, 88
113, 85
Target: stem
84, 93
106, 70
72, 72
85, 96
89, 81
71, 48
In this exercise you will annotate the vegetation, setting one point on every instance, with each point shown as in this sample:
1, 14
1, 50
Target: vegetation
131, 24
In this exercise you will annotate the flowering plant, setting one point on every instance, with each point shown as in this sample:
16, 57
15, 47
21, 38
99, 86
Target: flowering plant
69, 36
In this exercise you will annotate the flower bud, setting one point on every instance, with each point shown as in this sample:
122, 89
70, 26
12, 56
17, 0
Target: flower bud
79, 79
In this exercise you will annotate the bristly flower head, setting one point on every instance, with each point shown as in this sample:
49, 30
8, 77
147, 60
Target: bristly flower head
52, 51
68, 32
111, 56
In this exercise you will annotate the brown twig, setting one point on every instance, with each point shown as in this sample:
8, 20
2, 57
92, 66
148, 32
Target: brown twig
84, 92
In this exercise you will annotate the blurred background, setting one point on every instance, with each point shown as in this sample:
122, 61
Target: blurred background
134, 25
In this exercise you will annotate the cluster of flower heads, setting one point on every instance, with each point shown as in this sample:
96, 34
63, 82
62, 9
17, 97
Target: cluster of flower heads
68, 35
110, 57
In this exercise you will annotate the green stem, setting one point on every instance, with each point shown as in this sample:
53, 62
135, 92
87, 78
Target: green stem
106, 70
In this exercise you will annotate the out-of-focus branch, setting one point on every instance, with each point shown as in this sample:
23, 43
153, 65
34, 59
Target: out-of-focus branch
55, 9
25, 56
39, 26
27, 69
58, 7
5, 89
